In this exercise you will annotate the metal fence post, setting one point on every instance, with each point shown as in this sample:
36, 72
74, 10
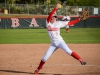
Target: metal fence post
27, 9
9, 8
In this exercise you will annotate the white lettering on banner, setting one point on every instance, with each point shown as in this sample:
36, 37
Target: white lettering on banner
33, 22
15, 22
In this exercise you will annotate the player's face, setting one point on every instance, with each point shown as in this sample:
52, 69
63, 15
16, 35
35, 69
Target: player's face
53, 19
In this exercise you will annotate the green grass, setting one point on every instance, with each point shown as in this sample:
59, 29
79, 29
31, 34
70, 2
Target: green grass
30, 36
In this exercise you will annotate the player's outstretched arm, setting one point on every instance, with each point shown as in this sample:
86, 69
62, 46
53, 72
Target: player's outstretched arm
52, 12
73, 22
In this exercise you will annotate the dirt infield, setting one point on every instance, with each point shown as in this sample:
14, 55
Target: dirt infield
22, 59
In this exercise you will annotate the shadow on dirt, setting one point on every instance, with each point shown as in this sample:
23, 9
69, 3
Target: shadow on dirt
12, 71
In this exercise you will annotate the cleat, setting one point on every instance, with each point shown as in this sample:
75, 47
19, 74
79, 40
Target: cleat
36, 71
83, 63
67, 31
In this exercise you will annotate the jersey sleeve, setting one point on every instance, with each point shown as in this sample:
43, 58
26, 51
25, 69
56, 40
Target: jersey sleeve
50, 15
73, 22
63, 24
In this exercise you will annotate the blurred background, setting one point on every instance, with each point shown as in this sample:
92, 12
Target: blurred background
43, 7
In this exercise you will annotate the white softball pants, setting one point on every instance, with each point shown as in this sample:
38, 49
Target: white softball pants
67, 26
54, 47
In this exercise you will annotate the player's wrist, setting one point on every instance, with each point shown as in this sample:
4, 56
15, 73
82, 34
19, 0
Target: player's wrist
56, 7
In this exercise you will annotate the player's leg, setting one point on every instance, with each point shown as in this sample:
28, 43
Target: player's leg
67, 29
49, 52
76, 56
70, 52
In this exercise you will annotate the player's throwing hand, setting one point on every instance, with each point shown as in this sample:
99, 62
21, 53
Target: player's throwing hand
58, 6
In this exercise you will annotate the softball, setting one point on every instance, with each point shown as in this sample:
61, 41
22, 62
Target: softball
60, 6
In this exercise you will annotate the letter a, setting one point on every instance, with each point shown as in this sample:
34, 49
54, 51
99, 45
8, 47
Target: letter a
33, 22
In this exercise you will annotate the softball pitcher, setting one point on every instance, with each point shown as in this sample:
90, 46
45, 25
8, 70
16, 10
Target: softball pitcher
53, 28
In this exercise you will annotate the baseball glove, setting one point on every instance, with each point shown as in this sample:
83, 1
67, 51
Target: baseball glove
83, 15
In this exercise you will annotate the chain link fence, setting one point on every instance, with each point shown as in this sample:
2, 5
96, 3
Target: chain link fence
46, 9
